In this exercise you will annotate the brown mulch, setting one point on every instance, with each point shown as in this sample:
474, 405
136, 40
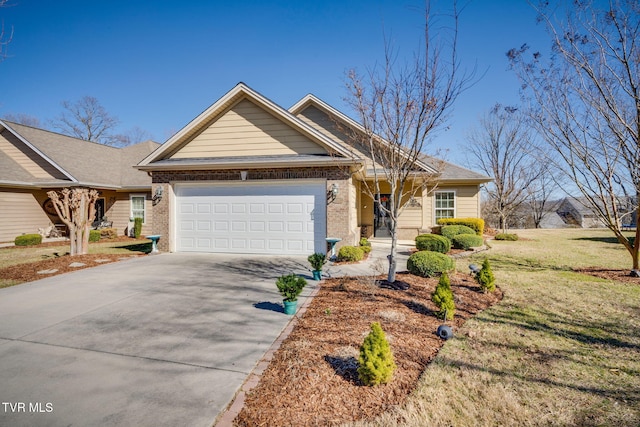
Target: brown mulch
313, 380
609, 274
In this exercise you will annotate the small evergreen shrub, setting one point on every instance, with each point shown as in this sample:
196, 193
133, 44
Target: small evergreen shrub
317, 260
94, 235
28, 240
467, 241
350, 253
476, 224
137, 227
429, 264
109, 233
290, 286
506, 236
376, 364
485, 277
365, 245
433, 242
450, 231
442, 297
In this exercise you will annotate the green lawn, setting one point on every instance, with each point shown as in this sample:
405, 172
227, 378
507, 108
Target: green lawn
562, 348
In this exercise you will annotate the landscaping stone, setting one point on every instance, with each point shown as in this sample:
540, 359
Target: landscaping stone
77, 264
49, 271
101, 260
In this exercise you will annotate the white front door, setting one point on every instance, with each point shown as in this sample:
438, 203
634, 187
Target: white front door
252, 218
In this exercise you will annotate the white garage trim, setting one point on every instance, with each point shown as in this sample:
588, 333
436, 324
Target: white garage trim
253, 217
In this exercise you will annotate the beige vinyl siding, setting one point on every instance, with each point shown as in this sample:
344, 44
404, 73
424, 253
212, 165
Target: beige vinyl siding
119, 210
466, 203
26, 158
247, 130
20, 213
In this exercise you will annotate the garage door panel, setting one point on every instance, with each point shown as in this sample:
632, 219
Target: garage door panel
275, 219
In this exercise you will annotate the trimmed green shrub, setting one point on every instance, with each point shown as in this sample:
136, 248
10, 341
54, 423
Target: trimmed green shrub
450, 231
466, 241
506, 236
433, 242
137, 227
350, 253
365, 245
28, 240
376, 363
485, 277
442, 297
109, 233
94, 235
317, 260
476, 224
290, 286
429, 264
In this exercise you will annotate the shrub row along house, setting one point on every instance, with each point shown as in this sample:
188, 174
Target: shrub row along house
248, 176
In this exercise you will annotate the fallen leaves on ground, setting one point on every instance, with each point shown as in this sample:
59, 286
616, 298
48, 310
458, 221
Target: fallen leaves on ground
313, 380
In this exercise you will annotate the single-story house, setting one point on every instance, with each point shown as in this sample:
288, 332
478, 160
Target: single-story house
34, 161
249, 176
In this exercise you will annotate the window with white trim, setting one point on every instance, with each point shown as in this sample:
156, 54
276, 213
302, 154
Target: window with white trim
138, 203
445, 204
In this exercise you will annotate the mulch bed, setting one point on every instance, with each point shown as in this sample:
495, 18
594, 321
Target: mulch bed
312, 379
609, 274
29, 272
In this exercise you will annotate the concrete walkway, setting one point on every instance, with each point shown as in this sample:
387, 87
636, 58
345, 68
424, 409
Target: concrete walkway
376, 263
161, 340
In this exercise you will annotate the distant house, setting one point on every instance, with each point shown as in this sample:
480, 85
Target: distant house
34, 161
575, 211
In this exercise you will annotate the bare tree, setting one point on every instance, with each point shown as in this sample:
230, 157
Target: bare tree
76, 207
87, 119
399, 109
585, 102
24, 119
501, 147
133, 136
541, 190
5, 36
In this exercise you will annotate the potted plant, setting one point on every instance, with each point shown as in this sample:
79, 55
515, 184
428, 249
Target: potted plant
317, 260
290, 286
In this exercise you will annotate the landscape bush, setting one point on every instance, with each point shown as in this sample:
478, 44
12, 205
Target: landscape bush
290, 286
476, 224
109, 233
365, 245
442, 297
350, 253
450, 231
433, 242
429, 263
28, 240
137, 227
486, 278
506, 236
375, 363
94, 235
467, 241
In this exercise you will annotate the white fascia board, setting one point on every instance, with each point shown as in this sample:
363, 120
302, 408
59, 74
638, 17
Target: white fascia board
38, 152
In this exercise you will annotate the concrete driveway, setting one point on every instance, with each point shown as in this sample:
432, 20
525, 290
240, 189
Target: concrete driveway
160, 340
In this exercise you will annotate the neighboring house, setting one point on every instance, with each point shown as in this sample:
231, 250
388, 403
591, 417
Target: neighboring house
248, 176
576, 212
34, 161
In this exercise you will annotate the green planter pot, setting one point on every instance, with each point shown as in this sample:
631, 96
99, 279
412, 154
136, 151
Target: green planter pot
317, 274
290, 307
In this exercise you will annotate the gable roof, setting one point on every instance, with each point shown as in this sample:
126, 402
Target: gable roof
160, 159
77, 162
312, 100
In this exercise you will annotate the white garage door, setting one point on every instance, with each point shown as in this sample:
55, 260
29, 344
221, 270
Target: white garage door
251, 218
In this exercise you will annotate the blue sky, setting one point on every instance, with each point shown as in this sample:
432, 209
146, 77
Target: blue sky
158, 64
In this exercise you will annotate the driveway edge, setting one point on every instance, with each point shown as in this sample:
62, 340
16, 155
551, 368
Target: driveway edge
225, 419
